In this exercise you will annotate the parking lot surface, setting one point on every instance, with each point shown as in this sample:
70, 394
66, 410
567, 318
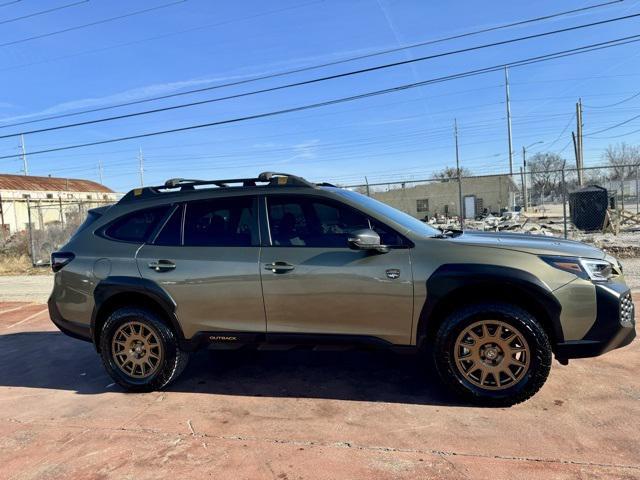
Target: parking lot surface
300, 415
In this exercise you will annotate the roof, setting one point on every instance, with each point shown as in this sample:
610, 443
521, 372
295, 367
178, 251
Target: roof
31, 183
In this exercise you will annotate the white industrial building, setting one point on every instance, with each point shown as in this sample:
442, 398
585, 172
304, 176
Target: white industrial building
46, 200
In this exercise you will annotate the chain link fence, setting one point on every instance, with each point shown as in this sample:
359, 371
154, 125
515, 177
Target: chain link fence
600, 205
593, 204
39, 227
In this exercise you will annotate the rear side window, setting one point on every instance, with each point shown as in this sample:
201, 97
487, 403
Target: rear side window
221, 222
137, 226
92, 216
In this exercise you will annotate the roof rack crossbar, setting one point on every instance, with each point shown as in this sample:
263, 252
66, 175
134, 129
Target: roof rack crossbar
266, 179
272, 178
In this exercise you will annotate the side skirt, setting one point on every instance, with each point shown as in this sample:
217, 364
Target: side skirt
285, 341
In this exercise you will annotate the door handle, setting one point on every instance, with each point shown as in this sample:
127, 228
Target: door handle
162, 265
279, 267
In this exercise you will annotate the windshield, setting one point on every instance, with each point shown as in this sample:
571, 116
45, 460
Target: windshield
384, 210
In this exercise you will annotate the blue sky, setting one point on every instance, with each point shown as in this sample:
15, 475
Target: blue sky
409, 134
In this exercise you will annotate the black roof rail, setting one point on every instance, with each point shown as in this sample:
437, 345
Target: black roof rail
186, 184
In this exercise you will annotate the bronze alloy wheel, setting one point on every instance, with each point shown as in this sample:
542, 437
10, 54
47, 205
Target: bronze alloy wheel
136, 350
492, 355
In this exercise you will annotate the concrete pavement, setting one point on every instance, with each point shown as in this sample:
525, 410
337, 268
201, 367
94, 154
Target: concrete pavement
292, 415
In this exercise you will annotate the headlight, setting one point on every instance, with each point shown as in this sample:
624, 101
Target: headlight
587, 268
598, 270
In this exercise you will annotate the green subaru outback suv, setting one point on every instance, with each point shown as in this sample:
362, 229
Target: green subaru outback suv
279, 260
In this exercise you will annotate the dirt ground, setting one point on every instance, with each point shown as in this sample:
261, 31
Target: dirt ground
300, 415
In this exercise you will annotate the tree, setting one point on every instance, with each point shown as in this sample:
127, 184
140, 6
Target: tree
451, 173
545, 172
623, 159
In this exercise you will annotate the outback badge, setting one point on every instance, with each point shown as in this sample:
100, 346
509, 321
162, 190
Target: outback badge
393, 273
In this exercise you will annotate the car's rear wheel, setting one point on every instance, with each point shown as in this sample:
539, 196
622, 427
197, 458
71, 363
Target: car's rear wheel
493, 354
139, 351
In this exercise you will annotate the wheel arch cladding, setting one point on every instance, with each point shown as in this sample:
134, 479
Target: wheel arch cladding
115, 292
453, 286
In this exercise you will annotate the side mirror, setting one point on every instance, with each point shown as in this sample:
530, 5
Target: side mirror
367, 239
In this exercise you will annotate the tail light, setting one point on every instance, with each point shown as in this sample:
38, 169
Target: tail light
60, 259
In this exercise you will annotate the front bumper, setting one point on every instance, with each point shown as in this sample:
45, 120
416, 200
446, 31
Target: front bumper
73, 329
614, 326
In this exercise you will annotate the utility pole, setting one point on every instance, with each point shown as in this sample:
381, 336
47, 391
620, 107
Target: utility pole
577, 154
523, 174
524, 188
506, 85
25, 167
141, 165
366, 181
461, 209
100, 171
578, 143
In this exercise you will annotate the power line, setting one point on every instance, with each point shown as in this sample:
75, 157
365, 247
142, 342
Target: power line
561, 133
616, 136
636, 95
315, 67
629, 120
5, 4
86, 25
43, 12
319, 79
297, 132
528, 61
157, 37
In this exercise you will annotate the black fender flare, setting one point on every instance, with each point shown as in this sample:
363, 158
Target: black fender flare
477, 281
109, 287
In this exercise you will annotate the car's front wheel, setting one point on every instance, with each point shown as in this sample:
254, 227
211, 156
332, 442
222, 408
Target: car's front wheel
139, 351
494, 354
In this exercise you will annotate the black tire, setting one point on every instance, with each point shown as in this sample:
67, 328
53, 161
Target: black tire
527, 385
172, 360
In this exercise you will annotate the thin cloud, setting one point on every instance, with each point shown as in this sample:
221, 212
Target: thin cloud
159, 89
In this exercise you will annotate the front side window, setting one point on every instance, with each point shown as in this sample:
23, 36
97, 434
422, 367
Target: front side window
171, 233
137, 226
221, 222
315, 222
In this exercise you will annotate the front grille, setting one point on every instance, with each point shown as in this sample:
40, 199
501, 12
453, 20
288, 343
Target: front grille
626, 310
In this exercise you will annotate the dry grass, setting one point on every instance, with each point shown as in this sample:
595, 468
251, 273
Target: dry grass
20, 265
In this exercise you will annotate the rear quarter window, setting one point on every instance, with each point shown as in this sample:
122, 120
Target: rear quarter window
136, 226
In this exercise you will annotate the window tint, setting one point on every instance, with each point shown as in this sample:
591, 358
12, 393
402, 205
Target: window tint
170, 235
382, 209
223, 222
312, 222
388, 236
137, 226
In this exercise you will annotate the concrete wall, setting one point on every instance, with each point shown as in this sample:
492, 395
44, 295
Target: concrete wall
492, 193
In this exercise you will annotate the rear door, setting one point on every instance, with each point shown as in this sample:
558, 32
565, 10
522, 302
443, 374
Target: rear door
313, 283
206, 257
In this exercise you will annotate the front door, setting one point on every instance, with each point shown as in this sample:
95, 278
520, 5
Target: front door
313, 283
210, 267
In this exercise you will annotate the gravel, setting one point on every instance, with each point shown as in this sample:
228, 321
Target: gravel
25, 288
631, 267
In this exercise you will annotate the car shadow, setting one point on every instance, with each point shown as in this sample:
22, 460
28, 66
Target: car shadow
54, 361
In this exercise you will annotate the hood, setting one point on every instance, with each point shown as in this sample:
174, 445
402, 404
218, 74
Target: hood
535, 244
